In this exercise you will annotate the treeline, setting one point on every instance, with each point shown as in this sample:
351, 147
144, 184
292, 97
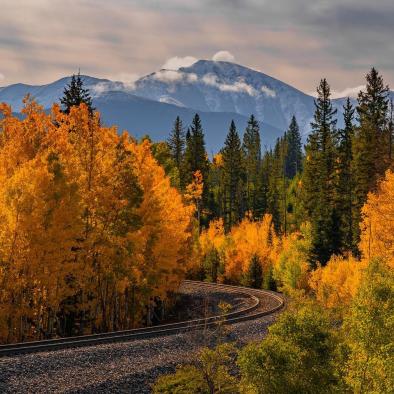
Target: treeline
335, 335
322, 232
92, 235
326, 183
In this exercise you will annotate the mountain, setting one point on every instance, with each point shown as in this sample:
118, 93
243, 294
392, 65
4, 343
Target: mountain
142, 116
218, 91
46, 95
228, 87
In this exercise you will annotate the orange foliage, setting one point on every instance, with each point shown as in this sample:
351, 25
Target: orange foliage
86, 220
377, 227
194, 190
337, 283
213, 237
246, 240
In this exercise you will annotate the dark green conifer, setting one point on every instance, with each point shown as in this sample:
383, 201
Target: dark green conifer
252, 161
344, 177
319, 178
254, 275
293, 161
371, 147
176, 143
232, 176
75, 94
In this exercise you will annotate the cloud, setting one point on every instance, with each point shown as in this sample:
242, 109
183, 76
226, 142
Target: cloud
2, 76
176, 62
267, 91
124, 82
239, 86
171, 76
348, 92
294, 41
223, 56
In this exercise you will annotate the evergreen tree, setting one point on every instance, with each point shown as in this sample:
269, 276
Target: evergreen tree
232, 175
75, 94
318, 177
195, 154
176, 143
371, 150
254, 276
293, 161
345, 179
269, 194
275, 184
196, 159
252, 158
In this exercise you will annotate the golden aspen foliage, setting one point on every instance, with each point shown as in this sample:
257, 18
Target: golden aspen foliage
86, 220
246, 240
336, 284
377, 226
368, 332
291, 268
165, 224
213, 237
210, 253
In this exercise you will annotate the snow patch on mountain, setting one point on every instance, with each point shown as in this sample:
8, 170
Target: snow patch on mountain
267, 91
171, 76
170, 100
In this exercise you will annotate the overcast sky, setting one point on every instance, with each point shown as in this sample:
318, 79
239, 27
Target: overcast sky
297, 41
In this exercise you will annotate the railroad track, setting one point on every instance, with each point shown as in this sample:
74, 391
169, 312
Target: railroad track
250, 312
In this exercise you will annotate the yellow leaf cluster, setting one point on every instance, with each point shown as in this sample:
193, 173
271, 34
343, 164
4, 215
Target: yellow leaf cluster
86, 220
213, 237
337, 283
248, 239
377, 227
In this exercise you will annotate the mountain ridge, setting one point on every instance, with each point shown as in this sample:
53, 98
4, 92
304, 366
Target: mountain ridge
219, 91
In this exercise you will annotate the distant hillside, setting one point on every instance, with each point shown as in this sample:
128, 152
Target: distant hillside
218, 91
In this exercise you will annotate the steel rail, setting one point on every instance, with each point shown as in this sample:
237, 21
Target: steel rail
247, 313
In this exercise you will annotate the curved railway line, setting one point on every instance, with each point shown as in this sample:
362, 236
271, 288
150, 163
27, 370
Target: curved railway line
251, 312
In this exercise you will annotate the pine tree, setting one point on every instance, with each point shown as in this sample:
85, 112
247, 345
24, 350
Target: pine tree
345, 179
318, 177
371, 148
252, 158
293, 163
75, 94
196, 159
254, 275
232, 174
176, 143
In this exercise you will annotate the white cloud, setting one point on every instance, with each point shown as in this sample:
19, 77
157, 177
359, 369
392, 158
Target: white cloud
223, 56
267, 91
239, 86
348, 92
170, 76
2, 76
176, 62
124, 82
126, 78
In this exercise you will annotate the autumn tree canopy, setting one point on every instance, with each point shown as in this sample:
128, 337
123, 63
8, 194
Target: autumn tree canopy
86, 217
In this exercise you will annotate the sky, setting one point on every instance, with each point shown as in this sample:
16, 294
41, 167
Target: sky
296, 41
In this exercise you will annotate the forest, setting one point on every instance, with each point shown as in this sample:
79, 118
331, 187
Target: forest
97, 229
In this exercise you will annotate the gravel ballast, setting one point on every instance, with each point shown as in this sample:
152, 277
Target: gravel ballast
127, 367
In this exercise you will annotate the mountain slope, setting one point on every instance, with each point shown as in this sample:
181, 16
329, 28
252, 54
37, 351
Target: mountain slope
228, 87
143, 116
219, 91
